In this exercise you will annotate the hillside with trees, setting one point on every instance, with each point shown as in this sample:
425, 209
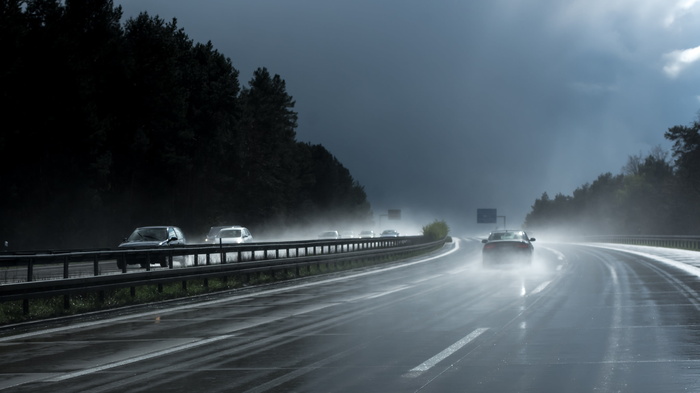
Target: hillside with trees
109, 125
656, 194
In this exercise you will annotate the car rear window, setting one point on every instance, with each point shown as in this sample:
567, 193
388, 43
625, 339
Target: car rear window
230, 233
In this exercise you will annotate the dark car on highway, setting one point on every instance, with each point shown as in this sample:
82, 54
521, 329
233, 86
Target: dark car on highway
389, 233
150, 237
507, 247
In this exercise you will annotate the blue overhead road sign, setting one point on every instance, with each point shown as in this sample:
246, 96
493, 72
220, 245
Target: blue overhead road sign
486, 216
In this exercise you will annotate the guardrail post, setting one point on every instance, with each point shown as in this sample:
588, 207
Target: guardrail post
65, 267
30, 269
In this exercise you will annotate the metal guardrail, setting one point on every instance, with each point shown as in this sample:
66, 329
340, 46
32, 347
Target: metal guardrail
683, 242
68, 273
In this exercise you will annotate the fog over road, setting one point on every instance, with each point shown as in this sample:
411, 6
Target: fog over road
583, 318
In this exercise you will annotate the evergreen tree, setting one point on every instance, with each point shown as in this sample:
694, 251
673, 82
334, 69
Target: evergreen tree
268, 144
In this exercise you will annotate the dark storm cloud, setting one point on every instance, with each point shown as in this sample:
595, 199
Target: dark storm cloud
439, 108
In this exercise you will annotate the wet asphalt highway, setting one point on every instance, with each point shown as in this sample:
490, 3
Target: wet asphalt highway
581, 319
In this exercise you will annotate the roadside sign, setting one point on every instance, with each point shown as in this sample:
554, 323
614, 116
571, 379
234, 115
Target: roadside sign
486, 216
394, 214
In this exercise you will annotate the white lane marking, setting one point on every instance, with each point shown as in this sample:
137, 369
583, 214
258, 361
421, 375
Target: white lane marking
458, 271
138, 358
559, 255
540, 288
428, 364
223, 300
375, 295
420, 280
387, 292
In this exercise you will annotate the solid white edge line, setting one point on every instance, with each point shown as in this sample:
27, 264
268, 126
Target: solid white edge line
688, 268
428, 364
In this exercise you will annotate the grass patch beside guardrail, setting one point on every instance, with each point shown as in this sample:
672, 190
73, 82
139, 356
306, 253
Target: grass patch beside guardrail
13, 311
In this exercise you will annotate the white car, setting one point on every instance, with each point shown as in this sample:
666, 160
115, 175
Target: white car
232, 235
329, 235
212, 233
347, 235
366, 234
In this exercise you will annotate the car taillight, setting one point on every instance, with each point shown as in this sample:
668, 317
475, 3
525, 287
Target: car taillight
522, 245
488, 246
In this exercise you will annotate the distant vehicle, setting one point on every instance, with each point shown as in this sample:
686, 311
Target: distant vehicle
505, 247
150, 237
329, 235
213, 231
233, 235
366, 234
347, 235
389, 233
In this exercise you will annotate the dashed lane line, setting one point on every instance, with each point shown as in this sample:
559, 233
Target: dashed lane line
428, 364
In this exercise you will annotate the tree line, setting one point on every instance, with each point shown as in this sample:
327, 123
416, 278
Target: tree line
109, 125
655, 194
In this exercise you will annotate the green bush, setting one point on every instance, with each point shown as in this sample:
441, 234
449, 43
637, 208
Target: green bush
436, 231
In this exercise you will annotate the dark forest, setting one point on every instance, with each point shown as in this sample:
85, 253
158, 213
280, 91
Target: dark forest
112, 124
656, 194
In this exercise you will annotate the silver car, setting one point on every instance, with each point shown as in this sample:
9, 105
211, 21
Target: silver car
329, 235
366, 234
209, 239
232, 235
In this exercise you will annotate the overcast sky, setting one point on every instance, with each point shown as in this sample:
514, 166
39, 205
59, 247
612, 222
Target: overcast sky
441, 107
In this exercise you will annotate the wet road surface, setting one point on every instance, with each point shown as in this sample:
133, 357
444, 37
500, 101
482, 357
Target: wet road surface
581, 319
